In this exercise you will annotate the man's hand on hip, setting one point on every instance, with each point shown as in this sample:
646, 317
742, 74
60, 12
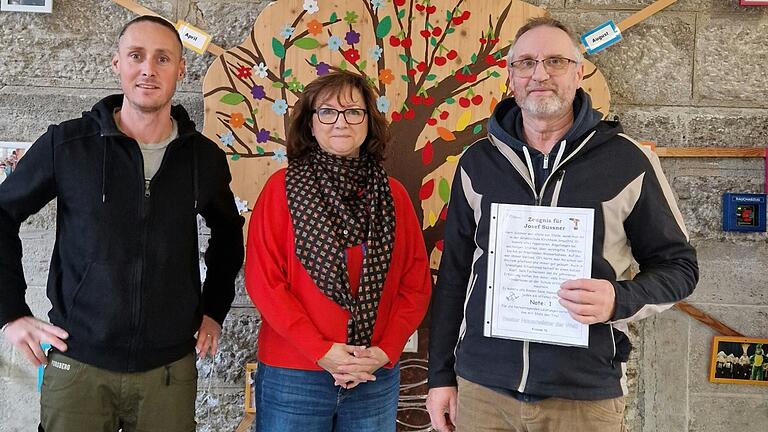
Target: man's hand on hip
442, 400
27, 333
589, 301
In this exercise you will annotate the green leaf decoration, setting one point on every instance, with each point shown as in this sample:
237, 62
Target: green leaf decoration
404, 77
404, 58
384, 27
333, 17
444, 189
350, 17
343, 65
287, 73
401, 14
278, 85
235, 157
260, 150
278, 48
448, 15
477, 129
495, 74
433, 41
232, 98
430, 77
450, 101
249, 120
450, 30
307, 43
313, 60
362, 64
473, 58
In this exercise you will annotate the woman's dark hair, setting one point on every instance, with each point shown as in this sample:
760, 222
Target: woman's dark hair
299, 139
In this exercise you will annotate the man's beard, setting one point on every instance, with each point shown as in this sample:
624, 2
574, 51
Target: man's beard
552, 104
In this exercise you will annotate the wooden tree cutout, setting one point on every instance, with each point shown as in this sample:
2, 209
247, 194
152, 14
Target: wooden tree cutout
438, 68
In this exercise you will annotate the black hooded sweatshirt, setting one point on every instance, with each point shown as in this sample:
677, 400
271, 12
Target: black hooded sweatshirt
124, 278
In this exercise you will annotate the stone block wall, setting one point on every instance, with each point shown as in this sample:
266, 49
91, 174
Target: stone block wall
692, 75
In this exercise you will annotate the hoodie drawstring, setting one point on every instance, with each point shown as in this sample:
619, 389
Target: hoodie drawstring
104, 171
194, 172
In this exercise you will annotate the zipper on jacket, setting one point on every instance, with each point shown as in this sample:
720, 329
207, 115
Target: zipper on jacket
146, 207
139, 283
546, 161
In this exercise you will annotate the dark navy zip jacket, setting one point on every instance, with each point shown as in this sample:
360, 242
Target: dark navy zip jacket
594, 166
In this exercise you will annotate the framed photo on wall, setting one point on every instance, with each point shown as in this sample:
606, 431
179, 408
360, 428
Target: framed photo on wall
42, 6
10, 153
738, 360
250, 380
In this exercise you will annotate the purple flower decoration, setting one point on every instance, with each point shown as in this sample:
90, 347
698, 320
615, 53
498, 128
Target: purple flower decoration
322, 68
258, 92
352, 37
262, 136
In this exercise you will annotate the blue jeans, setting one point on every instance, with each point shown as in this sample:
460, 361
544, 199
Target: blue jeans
289, 400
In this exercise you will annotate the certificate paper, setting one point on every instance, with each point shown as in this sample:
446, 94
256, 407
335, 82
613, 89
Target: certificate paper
532, 250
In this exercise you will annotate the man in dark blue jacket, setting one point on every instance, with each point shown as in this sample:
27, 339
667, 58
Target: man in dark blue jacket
548, 147
130, 178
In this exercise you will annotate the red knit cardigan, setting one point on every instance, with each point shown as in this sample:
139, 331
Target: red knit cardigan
299, 323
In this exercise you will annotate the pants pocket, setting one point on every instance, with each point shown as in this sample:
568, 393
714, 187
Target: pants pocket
61, 373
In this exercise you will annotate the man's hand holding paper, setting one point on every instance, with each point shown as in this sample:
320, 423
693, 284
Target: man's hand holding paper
589, 301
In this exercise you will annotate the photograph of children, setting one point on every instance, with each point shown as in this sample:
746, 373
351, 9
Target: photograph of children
10, 153
41, 6
739, 360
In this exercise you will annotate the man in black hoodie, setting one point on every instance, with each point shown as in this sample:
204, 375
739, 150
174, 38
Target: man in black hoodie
130, 178
548, 147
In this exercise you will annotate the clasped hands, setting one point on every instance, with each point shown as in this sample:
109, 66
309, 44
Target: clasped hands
351, 365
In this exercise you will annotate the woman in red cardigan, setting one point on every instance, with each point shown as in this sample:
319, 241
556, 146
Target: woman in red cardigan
337, 267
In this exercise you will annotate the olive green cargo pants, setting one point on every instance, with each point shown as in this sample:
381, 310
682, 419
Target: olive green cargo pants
80, 398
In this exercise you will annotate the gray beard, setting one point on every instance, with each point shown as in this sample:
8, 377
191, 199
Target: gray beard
551, 105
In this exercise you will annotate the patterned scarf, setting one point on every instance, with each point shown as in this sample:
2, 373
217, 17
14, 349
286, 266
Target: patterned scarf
336, 203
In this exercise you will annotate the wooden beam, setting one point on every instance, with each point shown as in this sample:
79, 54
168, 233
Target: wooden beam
245, 424
141, 10
701, 316
711, 152
644, 14
639, 16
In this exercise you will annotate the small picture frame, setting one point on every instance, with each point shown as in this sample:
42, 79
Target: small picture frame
10, 154
40, 6
250, 391
739, 360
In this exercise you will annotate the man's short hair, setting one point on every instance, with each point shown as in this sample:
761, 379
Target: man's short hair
547, 21
153, 19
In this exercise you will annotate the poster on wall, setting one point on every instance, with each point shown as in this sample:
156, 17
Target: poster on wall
738, 360
41, 6
10, 153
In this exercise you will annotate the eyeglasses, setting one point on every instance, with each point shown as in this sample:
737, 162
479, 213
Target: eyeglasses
553, 65
329, 116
